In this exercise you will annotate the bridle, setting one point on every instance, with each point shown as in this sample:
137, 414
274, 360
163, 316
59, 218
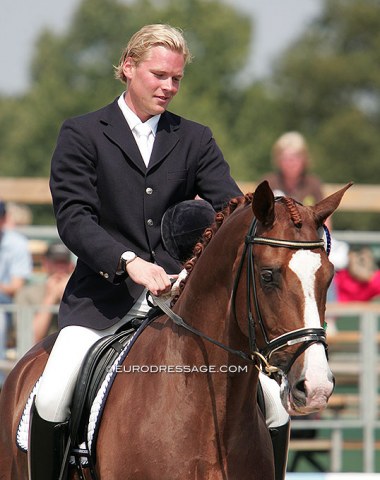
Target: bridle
303, 336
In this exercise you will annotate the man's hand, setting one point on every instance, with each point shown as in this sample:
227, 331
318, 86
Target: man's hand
151, 276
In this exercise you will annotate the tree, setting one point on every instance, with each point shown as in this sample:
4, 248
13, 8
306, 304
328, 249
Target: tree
326, 85
73, 73
329, 85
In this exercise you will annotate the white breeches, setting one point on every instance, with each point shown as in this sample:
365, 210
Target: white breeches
58, 380
275, 413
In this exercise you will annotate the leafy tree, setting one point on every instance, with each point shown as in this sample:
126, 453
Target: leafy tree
329, 85
73, 73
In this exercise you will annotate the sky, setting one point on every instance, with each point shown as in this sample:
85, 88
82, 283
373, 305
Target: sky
278, 23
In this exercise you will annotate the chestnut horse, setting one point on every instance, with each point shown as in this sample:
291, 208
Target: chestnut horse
255, 298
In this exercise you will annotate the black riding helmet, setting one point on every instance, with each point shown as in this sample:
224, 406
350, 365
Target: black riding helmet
182, 226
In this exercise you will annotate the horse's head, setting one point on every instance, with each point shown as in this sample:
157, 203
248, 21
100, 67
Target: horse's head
276, 293
289, 272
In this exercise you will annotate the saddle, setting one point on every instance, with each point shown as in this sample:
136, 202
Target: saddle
96, 376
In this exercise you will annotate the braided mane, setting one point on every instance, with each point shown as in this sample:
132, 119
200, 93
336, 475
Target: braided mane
220, 217
293, 210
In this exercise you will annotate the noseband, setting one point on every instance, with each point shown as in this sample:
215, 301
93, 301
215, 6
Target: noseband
303, 336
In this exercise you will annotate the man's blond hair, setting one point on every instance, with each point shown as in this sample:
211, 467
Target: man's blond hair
151, 36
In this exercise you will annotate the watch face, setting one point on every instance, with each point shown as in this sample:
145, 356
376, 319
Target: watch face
128, 256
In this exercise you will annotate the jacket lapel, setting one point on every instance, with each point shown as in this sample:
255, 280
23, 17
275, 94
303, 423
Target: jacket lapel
117, 131
166, 138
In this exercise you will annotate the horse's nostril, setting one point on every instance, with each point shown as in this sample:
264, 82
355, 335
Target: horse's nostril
301, 386
299, 394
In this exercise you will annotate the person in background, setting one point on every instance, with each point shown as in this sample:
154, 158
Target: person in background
359, 281
15, 259
57, 266
15, 269
18, 215
291, 176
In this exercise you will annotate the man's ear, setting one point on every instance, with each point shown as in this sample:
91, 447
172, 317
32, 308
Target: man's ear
128, 67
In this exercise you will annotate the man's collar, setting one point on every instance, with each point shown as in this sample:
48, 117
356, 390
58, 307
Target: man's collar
132, 119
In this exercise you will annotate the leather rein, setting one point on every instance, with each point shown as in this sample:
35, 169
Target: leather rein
303, 336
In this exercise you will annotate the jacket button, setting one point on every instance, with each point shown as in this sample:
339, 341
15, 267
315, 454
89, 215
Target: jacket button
106, 275
149, 222
149, 191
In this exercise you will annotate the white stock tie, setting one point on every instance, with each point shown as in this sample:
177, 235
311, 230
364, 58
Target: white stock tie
144, 141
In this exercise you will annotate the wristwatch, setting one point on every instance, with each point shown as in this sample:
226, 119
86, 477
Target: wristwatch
126, 257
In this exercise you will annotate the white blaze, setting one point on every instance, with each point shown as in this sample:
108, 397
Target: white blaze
305, 264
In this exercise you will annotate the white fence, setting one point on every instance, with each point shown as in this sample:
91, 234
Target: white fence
364, 366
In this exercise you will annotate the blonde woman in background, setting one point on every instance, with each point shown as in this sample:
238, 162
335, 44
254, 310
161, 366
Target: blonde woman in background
291, 176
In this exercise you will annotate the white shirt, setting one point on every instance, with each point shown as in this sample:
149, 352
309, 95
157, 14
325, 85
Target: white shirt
133, 120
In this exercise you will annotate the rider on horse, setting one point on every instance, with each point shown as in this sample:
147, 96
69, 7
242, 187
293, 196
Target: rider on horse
110, 187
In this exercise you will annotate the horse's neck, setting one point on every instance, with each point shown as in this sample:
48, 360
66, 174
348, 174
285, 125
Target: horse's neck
205, 304
231, 380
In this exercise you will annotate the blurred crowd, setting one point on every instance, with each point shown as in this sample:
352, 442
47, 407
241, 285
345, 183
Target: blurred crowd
33, 276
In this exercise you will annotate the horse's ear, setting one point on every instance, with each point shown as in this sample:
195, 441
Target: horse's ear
263, 204
326, 207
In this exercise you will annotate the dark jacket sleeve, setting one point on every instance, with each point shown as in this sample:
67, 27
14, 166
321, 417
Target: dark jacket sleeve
214, 181
73, 185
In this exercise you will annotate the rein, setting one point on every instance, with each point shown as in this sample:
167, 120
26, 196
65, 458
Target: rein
181, 323
303, 336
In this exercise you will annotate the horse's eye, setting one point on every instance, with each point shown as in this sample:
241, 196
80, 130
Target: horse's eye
266, 276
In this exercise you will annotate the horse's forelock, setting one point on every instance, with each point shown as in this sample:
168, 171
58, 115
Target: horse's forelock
294, 212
